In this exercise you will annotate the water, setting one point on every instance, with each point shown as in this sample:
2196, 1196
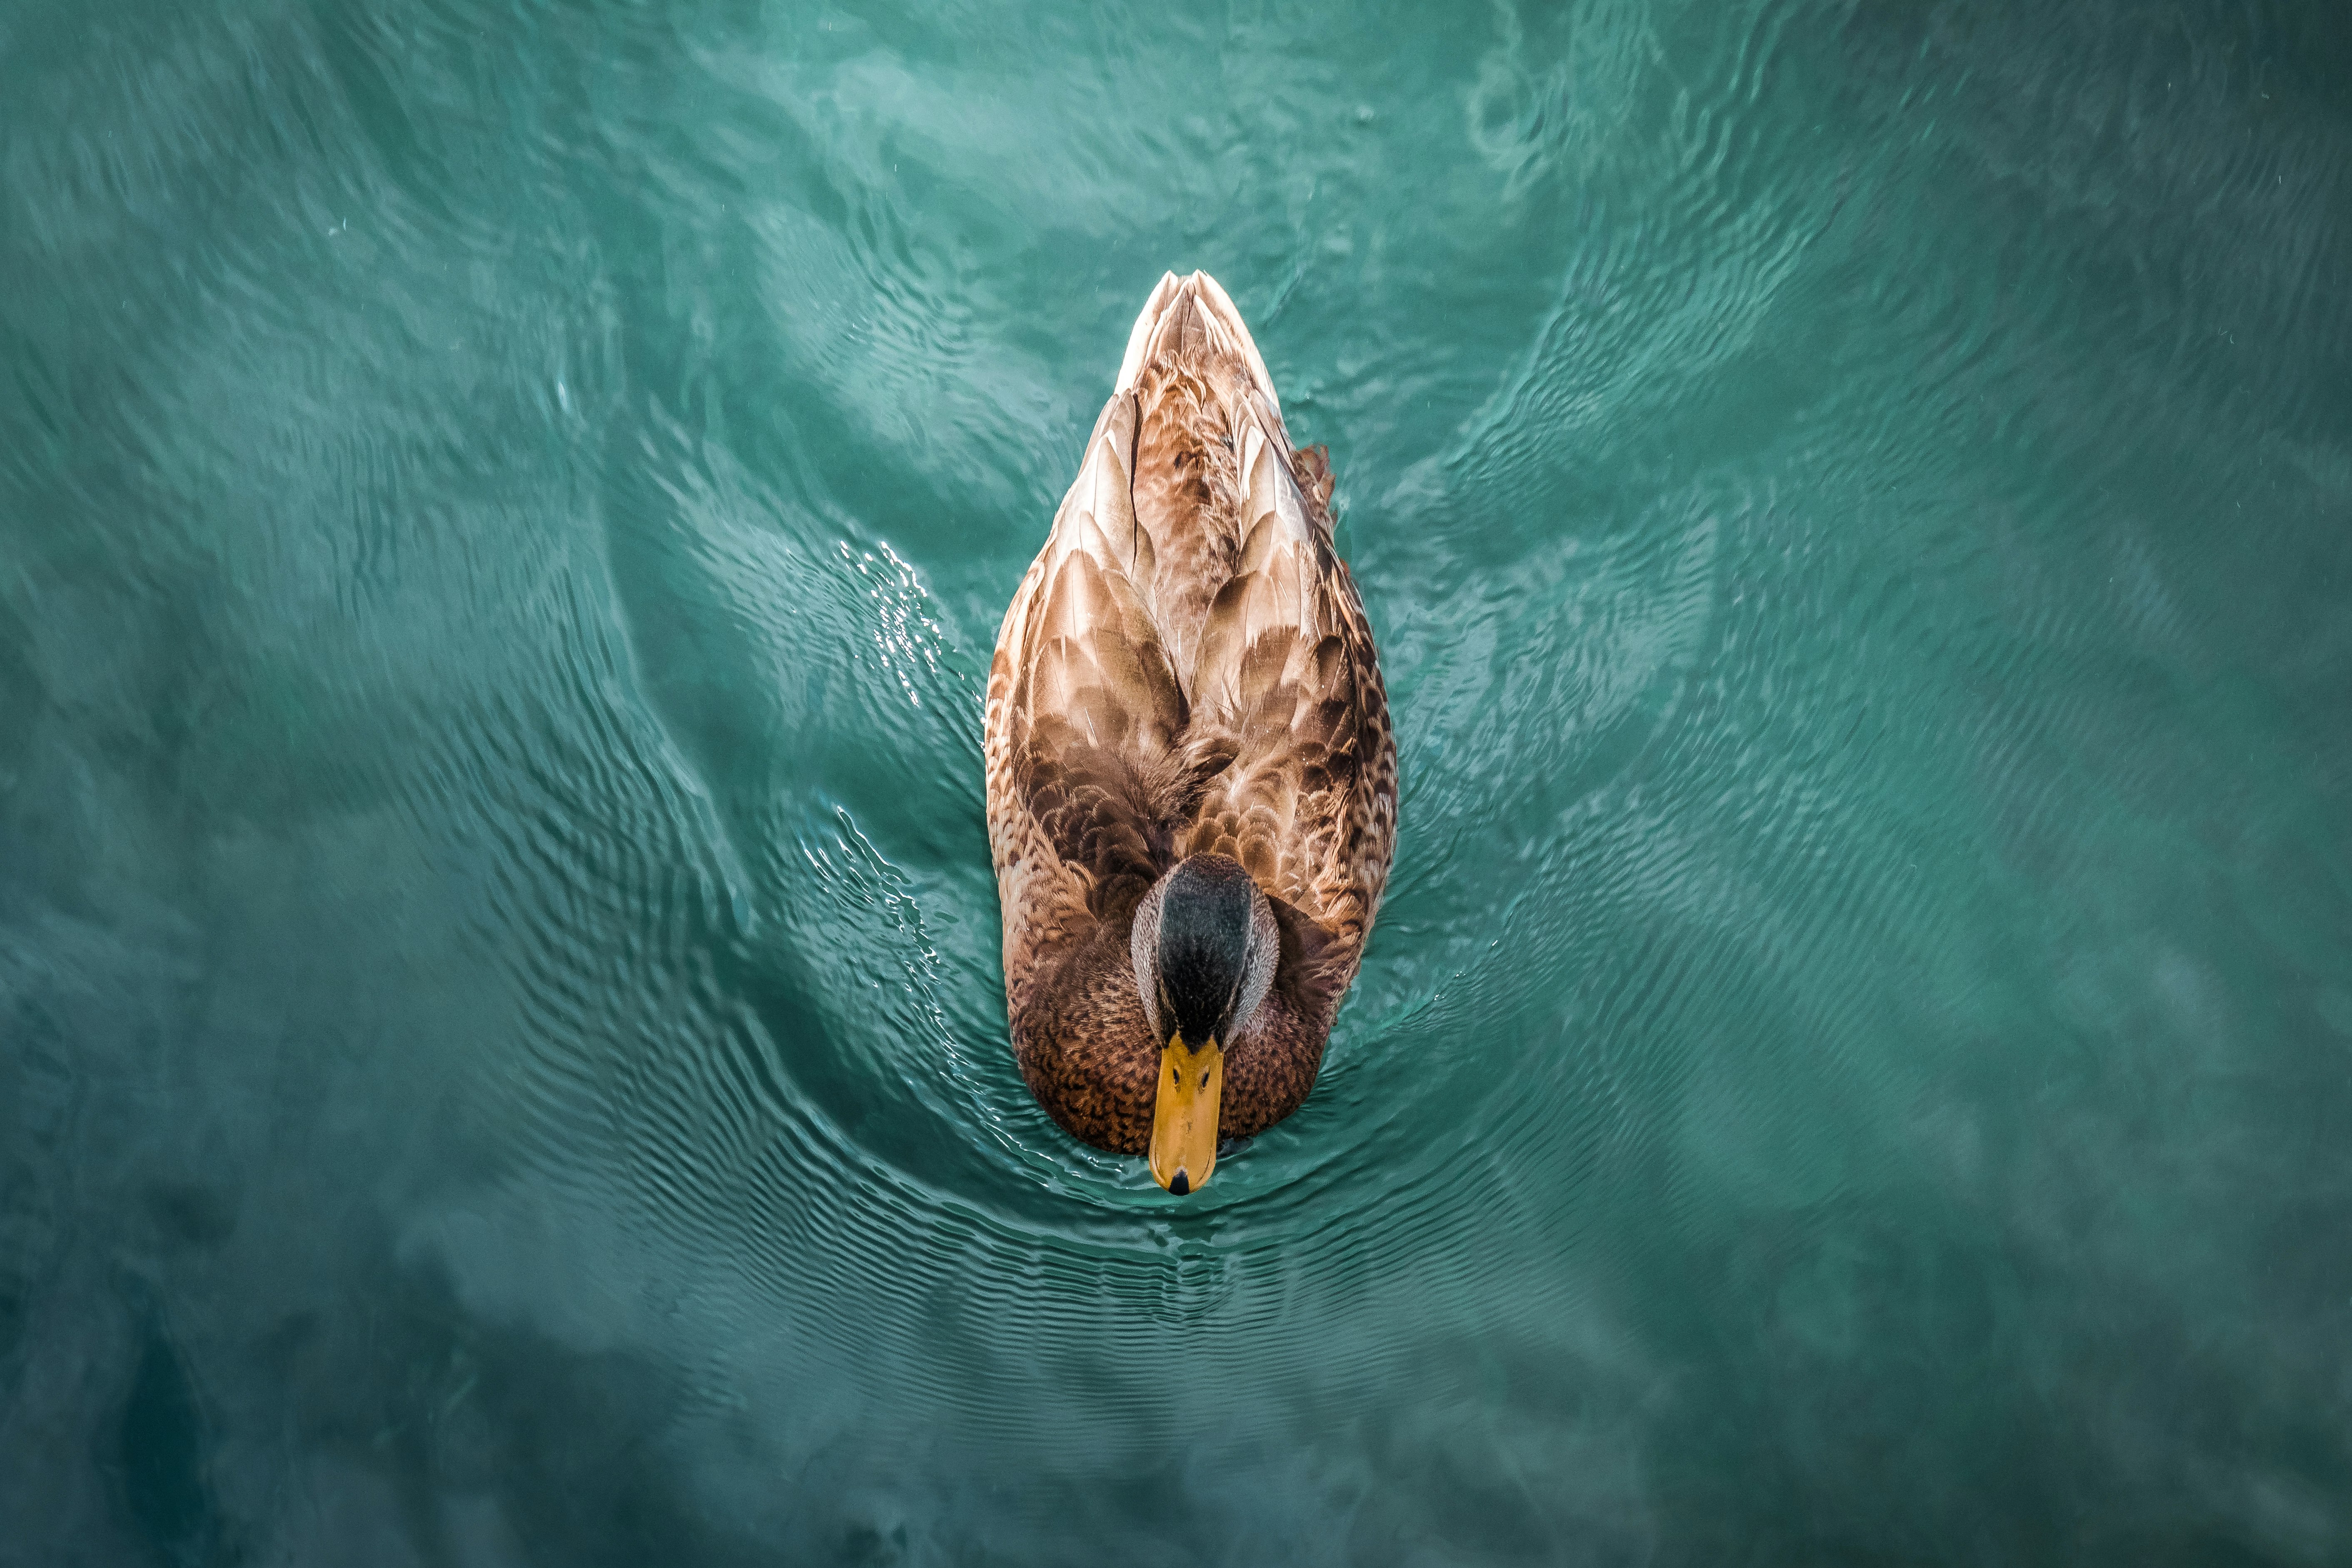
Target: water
504, 512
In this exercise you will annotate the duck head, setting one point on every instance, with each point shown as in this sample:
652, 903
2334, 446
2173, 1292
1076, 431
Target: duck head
1204, 948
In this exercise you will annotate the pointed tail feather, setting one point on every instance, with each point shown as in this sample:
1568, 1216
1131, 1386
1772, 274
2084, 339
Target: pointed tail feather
1196, 313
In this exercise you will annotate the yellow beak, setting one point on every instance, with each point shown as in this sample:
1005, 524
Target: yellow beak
1184, 1115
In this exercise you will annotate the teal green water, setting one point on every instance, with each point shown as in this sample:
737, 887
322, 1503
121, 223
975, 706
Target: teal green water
504, 512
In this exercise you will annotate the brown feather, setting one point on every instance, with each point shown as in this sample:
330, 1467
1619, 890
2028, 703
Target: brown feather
1186, 669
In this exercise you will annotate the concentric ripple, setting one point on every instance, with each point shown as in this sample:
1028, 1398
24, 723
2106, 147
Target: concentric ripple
504, 513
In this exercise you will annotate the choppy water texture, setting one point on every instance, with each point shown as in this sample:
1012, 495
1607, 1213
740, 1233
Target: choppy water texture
504, 512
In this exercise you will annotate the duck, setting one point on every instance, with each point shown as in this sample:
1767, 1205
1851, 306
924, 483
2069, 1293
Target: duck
1192, 776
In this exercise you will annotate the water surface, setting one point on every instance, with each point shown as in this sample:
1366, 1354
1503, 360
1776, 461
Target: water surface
504, 512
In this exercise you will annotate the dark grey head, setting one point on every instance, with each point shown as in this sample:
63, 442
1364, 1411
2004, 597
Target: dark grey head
1204, 948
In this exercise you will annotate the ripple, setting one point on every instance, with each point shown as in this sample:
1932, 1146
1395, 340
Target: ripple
504, 514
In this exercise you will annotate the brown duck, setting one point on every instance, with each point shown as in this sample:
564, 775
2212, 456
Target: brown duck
1191, 783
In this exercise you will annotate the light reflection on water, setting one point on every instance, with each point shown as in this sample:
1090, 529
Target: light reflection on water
501, 1040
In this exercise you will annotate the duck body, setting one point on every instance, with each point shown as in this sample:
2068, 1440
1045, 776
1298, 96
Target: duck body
1192, 778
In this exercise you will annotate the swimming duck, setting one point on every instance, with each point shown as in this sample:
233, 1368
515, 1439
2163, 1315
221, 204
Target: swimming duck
1192, 780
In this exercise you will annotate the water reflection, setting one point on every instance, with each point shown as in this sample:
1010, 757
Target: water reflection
502, 1052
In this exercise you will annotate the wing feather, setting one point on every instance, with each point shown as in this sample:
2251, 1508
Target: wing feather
1083, 706
1187, 668
1287, 695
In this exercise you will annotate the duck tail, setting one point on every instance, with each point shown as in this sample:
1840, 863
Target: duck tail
1194, 314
